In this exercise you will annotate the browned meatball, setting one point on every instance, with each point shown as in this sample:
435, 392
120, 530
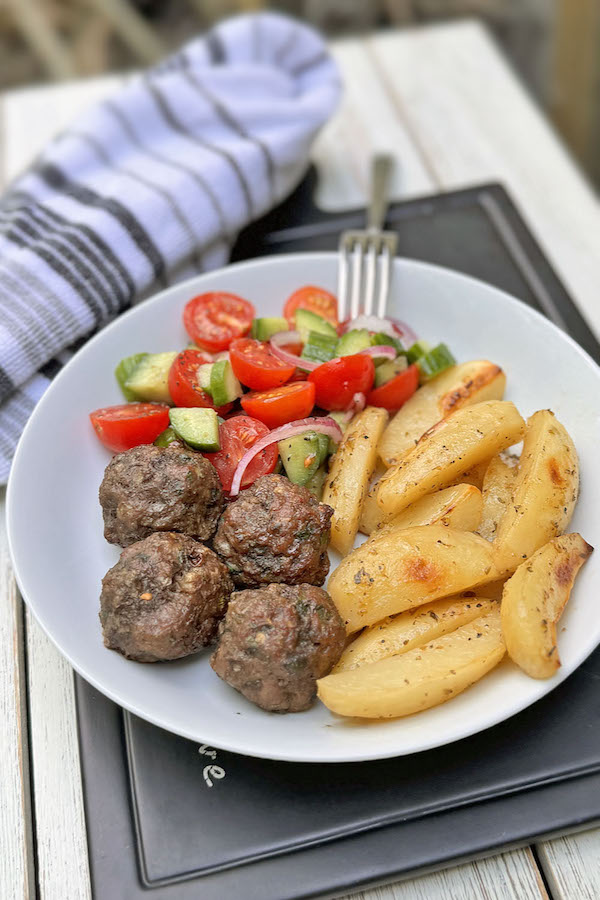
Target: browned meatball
150, 489
274, 643
275, 532
163, 599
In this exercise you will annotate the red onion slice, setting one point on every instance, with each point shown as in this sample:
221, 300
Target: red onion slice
380, 350
394, 327
323, 425
359, 401
404, 332
290, 337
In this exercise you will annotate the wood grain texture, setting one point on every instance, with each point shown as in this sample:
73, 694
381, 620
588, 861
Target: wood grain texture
572, 866
365, 123
62, 860
508, 876
473, 122
16, 846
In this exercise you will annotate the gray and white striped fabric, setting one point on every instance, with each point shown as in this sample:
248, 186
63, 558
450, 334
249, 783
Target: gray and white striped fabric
151, 187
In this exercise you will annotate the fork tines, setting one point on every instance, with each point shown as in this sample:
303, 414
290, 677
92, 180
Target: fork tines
364, 271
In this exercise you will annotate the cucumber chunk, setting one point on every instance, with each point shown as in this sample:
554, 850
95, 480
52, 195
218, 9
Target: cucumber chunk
435, 362
353, 342
203, 376
165, 438
302, 455
316, 482
319, 347
150, 378
417, 351
224, 386
307, 321
263, 329
198, 427
389, 369
125, 370
385, 340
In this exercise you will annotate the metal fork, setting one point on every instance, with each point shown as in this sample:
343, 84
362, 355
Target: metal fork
365, 257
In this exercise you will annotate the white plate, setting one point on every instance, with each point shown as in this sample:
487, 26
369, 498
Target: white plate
60, 556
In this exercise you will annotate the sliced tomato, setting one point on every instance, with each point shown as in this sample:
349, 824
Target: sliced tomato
215, 319
394, 393
183, 381
317, 299
338, 380
281, 405
129, 424
256, 366
237, 435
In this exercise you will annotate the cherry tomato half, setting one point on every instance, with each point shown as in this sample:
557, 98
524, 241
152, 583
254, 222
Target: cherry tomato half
281, 405
316, 299
129, 424
183, 381
394, 393
237, 435
338, 380
215, 319
256, 366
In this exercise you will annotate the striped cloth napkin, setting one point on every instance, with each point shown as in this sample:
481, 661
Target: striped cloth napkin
151, 187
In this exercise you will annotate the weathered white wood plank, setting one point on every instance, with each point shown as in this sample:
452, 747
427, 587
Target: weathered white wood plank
508, 876
365, 123
62, 860
474, 122
16, 846
572, 866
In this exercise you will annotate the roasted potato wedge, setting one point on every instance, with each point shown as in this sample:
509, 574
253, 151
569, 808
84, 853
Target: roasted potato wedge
474, 475
411, 629
404, 569
497, 490
462, 385
545, 491
458, 506
351, 470
533, 601
462, 440
370, 516
419, 679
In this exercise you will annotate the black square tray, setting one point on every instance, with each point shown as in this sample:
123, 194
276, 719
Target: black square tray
169, 820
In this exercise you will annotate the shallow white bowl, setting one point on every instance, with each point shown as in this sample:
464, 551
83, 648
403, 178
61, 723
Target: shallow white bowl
60, 556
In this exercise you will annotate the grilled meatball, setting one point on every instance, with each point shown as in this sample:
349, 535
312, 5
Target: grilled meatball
274, 643
150, 489
275, 532
163, 599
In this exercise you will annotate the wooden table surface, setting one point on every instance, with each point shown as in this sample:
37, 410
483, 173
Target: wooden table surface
444, 101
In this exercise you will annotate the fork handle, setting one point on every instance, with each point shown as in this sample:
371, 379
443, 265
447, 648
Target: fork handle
378, 203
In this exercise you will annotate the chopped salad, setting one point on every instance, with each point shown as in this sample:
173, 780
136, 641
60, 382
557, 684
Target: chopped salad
254, 393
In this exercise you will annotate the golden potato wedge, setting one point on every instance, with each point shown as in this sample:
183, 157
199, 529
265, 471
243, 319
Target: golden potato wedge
497, 490
545, 491
417, 680
491, 590
462, 385
370, 516
351, 470
474, 475
399, 634
404, 569
458, 506
533, 601
462, 440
